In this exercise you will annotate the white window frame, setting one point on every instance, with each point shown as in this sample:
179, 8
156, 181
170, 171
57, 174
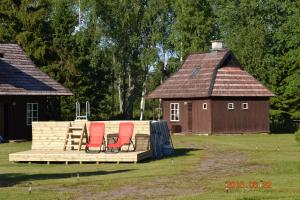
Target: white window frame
204, 106
32, 113
176, 112
230, 106
246, 106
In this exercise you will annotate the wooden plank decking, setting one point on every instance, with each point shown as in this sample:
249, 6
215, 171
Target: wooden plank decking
77, 156
48, 140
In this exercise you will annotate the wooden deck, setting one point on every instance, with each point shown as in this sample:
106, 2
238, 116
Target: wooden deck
48, 141
49, 156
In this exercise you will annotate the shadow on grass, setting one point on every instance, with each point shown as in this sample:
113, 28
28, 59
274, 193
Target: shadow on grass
11, 179
184, 151
178, 152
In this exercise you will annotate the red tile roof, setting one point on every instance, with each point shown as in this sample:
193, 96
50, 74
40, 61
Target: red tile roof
19, 76
210, 74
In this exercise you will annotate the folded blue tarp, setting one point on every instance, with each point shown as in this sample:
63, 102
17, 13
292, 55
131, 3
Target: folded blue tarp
161, 143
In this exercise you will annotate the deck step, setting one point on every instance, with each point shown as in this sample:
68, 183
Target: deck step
74, 140
71, 145
74, 134
75, 128
75, 137
74, 145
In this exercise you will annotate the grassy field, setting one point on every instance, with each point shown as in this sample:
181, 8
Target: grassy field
199, 170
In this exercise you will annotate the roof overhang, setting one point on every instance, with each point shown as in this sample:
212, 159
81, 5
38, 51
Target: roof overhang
37, 93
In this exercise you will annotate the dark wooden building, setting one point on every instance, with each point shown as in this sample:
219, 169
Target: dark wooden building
211, 93
24, 93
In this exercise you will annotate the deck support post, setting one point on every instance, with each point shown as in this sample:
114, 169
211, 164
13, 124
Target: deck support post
67, 163
48, 162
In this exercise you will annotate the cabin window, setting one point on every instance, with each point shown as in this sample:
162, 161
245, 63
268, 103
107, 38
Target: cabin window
174, 112
245, 106
204, 106
32, 113
230, 106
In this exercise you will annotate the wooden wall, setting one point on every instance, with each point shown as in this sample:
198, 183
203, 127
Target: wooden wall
254, 119
14, 120
51, 135
166, 115
201, 117
217, 118
199, 120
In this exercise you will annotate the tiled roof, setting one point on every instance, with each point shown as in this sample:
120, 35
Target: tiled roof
210, 74
19, 76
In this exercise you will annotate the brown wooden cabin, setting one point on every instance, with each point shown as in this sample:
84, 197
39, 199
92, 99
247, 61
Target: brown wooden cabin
211, 93
24, 93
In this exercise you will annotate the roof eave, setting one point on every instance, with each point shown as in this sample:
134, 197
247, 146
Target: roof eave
36, 93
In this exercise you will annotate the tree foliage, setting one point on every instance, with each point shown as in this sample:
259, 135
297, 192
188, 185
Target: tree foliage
125, 48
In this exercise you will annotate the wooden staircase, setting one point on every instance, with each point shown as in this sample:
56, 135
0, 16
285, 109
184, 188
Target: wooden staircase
76, 136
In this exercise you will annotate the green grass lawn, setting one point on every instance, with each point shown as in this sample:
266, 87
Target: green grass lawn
199, 170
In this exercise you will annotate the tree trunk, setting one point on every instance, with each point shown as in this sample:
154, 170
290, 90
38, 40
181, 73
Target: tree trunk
121, 102
132, 93
142, 104
124, 87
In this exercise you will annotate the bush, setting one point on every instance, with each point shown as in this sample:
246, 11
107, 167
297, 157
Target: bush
281, 122
297, 136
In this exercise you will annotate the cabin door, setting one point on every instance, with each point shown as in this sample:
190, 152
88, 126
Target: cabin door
190, 117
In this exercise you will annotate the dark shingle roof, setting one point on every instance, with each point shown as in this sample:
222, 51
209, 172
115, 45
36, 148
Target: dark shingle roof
210, 74
232, 81
19, 76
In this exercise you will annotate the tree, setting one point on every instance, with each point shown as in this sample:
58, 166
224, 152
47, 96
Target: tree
78, 61
25, 22
287, 75
192, 28
132, 26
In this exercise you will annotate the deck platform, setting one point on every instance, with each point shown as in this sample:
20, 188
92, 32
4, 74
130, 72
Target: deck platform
48, 144
49, 156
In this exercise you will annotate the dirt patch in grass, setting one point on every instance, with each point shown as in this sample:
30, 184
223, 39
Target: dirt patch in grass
215, 165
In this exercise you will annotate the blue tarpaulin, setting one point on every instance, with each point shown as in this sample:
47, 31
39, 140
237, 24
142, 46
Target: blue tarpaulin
161, 143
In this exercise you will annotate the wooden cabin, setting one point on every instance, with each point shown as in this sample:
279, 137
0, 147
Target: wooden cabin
24, 93
211, 93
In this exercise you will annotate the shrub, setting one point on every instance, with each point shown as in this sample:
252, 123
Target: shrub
297, 136
281, 122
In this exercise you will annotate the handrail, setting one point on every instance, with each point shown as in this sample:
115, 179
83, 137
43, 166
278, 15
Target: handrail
87, 111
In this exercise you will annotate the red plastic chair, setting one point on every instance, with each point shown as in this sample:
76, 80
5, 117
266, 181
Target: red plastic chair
124, 136
96, 136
